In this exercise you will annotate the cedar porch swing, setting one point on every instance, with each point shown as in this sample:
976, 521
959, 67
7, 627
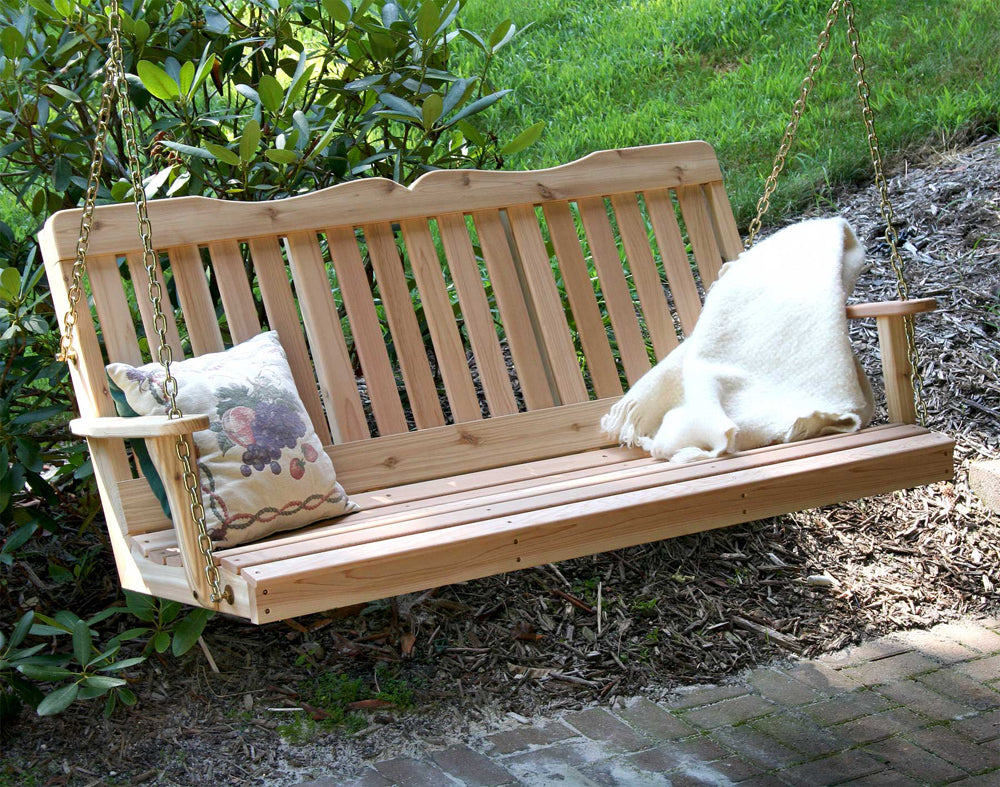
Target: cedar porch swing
465, 496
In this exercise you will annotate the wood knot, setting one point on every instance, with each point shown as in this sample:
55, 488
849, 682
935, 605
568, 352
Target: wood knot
545, 191
390, 462
466, 180
470, 439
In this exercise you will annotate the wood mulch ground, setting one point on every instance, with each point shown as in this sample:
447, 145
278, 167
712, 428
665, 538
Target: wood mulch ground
690, 610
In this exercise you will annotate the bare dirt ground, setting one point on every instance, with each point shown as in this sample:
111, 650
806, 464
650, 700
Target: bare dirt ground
458, 660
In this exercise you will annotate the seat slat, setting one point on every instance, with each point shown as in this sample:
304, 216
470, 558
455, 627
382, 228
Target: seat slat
366, 330
196, 300
113, 311
448, 348
582, 300
551, 316
727, 233
620, 518
406, 335
476, 314
283, 316
338, 387
617, 298
675, 259
517, 322
700, 233
652, 298
140, 281
237, 299
449, 510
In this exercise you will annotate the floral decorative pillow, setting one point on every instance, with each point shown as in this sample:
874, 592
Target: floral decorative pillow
262, 466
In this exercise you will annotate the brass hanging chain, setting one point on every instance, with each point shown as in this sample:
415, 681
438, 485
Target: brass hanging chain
891, 236
116, 84
875, 153
799, 108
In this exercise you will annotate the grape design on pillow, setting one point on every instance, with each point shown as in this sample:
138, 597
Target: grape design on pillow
263, 421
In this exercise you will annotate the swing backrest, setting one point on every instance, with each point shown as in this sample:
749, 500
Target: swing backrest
493, 260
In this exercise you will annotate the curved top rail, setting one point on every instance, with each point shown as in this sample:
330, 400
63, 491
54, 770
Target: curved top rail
202, 220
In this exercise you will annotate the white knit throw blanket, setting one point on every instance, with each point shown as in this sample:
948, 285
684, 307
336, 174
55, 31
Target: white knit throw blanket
769, 360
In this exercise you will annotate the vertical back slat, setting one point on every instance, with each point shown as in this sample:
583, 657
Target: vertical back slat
379, 378
548, 305
517, 323
338, 387
652, 299
237, 299
727, 233
476, 314
196, 300
282, 316
113, 311
406, 334
582, 300
140, 281
675, 259
617, 298
448, 347
701, 233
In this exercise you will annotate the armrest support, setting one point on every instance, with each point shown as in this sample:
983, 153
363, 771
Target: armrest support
891, 308
140, 426
890, 317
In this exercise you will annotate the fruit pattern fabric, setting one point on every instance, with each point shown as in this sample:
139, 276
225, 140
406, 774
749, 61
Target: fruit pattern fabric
261, 465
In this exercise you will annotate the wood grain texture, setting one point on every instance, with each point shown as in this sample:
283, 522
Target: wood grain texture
140, 282
726, 232
406, 335
891, 308
552, 323
518, 322
283, 317
476, 314
338, 388
366, 332
234, 288
582, 300
614, 287
701, 233
409, 563
138, 426
449, 350
452, 508
113, 312
674, 257
896, 368
645, 277
196, 300
202, 220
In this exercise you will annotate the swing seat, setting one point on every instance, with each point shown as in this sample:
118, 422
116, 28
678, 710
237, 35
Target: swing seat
453, 488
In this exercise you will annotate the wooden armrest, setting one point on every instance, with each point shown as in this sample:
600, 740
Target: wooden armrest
140, 426
891, 308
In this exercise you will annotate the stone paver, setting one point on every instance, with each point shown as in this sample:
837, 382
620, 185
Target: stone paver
654, 720
913, 761
597, 724
917, 708
890, 669
881, 725
471, 767
961, 688
917, 697
731, 711
412, 773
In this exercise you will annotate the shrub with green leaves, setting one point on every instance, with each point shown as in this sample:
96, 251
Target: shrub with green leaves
249, 100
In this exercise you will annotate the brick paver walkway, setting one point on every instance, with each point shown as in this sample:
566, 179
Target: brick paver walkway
919, 708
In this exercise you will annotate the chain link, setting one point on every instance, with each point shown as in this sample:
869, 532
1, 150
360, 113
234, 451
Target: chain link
116, 84
875, 152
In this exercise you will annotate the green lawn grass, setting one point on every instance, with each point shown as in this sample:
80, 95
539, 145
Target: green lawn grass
613, 73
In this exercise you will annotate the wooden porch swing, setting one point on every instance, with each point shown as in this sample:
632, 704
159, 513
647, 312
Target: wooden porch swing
448, 494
